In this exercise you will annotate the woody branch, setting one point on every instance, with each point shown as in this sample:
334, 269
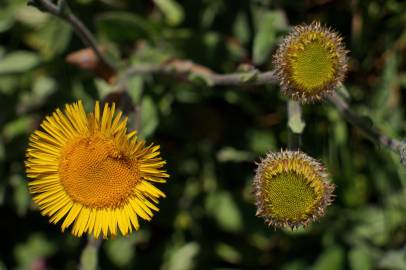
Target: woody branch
189, 71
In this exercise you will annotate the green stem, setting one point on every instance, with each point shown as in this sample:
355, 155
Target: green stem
296, 125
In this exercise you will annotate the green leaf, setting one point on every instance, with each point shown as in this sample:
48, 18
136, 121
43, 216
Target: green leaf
261, 141
121, 250
373, 226
80, 92
7, 19
18, 62
21, 198
249, 76
149, 55
211, 11
2, 266
88, 259
228, 253
295, 265
360, 259
125, 27
8, 12
149, 117
42, 88
30, 17
295, 122
227, 154
103, 88
51, 39
381, 110
201, 79
183, 258
36, 247
332, 259
241, 28
8, 83
393, 260
172, 10
269, 24
340, 132
16, 127
135, 88
223, 208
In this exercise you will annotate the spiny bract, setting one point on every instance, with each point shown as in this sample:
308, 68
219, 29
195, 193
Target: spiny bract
291, 189
310, 63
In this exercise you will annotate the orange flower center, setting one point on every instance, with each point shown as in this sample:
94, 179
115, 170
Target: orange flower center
96, 174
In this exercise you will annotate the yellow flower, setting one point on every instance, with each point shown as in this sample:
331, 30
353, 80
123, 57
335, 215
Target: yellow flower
291, 189
310, 63
90, 173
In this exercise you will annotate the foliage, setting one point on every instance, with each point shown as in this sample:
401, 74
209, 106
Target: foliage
212, 137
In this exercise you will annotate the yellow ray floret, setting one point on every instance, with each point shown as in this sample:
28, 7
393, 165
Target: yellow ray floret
90, 173
291, 189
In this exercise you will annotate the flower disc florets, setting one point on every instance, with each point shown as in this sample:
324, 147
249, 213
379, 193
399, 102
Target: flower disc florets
291, 189
89, 172
310, 63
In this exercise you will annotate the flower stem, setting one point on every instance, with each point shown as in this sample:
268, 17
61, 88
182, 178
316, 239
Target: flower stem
63, 11
296, 125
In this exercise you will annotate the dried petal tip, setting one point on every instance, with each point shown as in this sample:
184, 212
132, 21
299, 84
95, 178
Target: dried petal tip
310, 63
291, 189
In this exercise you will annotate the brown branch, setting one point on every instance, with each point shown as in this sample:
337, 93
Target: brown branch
63, 11
369, 131
190, 71
187, 70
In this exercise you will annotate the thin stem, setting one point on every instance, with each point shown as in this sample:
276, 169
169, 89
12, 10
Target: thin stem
187, 70
369, 131
63, 11
295, 125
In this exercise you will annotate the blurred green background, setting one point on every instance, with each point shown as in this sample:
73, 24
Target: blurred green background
212, 137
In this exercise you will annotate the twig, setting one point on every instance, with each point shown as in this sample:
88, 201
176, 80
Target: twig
370, 132
63, 11
186, 69
190, 71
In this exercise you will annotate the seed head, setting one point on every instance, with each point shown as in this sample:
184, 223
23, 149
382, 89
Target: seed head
310, 63
291, 189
